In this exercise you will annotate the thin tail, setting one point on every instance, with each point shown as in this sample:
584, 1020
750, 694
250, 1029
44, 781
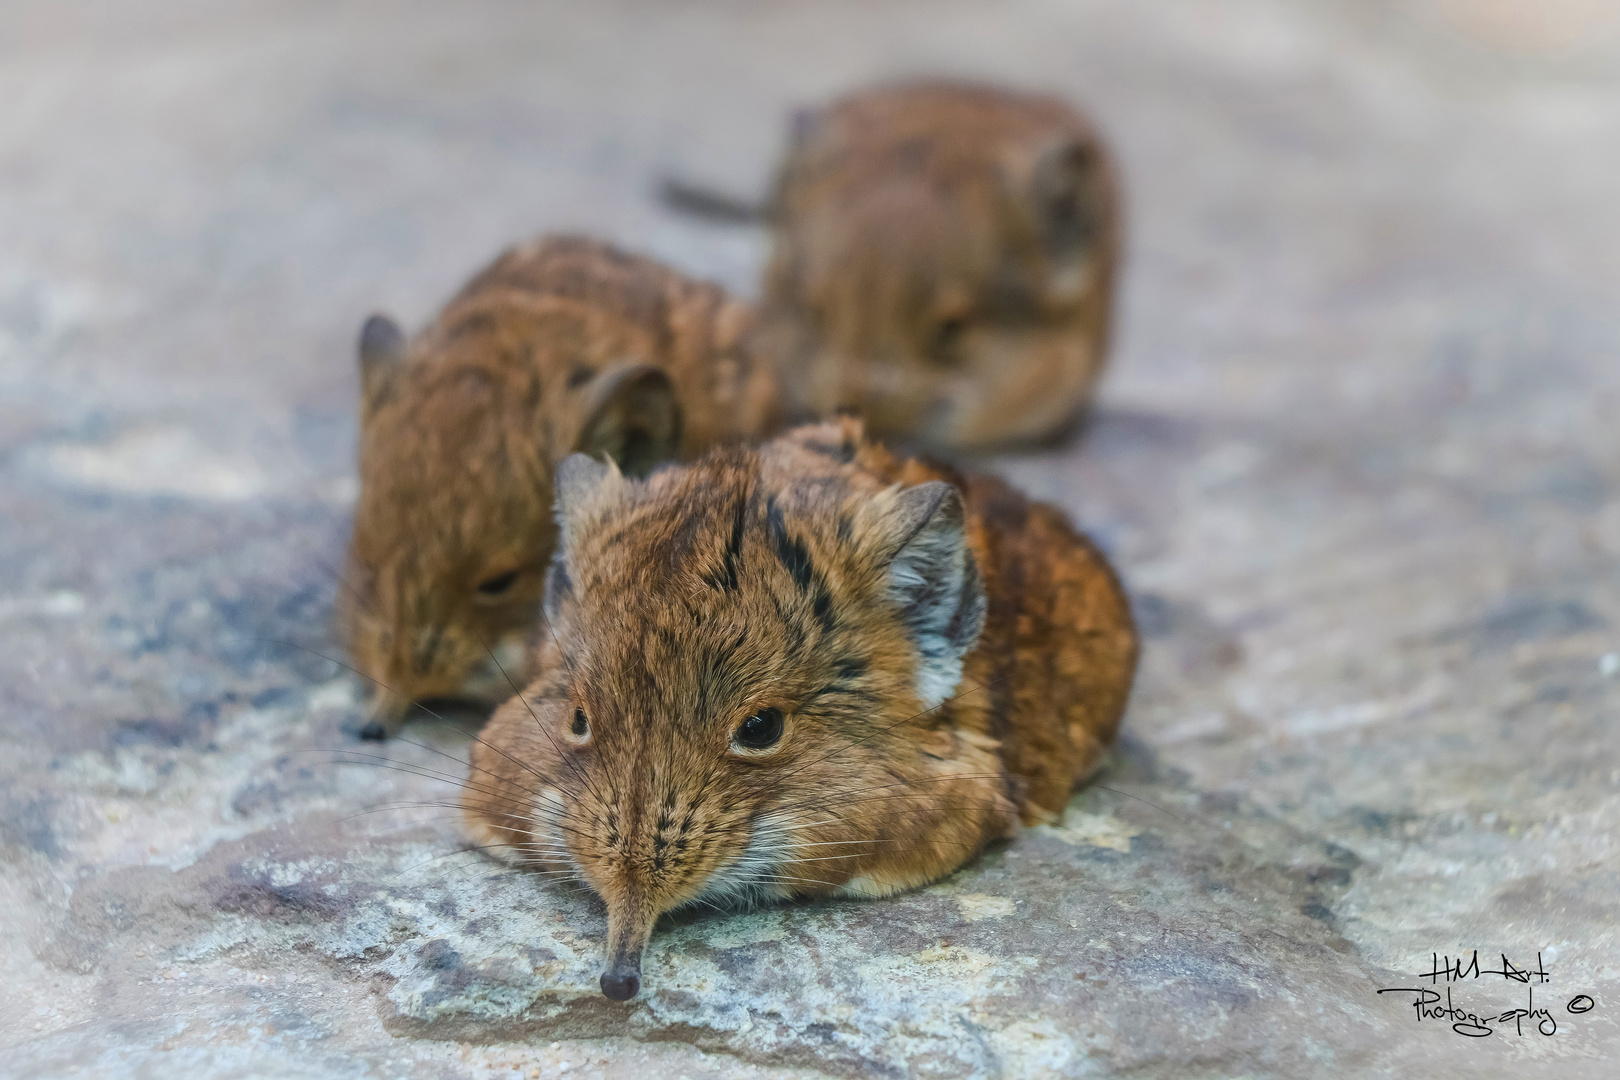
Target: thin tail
685, 197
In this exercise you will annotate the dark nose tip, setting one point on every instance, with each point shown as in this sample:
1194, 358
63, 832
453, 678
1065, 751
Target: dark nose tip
621, 984
374, 730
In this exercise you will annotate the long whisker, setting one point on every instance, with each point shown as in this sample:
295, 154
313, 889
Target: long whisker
480, 861
359, 597
360, 757
354, 757
566, 758
445, 855
414, 703
1156, 806
481, 790
421, 806
784, 879
417, 704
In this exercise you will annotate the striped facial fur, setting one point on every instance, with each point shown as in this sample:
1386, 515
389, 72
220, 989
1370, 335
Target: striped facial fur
794, 671
559, 346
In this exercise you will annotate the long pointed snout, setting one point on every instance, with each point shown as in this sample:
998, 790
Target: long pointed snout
630, 924
622, 980
385, 715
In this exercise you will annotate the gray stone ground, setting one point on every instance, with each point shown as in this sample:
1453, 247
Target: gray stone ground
1358, 459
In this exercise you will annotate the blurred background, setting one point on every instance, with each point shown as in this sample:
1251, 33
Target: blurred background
1356, 457
202, 201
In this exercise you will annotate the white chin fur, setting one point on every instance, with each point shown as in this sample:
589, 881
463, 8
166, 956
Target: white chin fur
749, 880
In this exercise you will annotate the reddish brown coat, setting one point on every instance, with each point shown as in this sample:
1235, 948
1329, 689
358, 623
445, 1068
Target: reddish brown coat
943, 263
825, 586
560, 345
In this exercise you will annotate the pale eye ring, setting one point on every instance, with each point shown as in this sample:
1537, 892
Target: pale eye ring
761, 731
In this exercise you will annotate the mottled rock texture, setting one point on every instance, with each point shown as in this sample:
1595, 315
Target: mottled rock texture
1357, 458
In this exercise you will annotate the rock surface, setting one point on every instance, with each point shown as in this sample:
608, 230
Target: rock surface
1357, 459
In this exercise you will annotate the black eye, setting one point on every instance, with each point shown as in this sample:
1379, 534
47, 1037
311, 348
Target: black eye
948, 338
498, 584
581, 726
761, 730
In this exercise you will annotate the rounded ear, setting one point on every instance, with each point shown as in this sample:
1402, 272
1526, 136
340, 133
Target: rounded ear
1065, 191
582, 489
632, 416
934, 581
382, 349
839, 438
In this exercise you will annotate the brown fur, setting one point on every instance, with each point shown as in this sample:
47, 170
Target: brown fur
754, 579
943, 263
560, 345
